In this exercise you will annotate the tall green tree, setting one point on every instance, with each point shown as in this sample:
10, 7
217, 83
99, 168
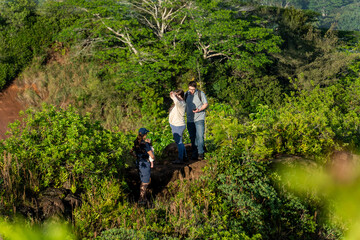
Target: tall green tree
232, 50
162, 45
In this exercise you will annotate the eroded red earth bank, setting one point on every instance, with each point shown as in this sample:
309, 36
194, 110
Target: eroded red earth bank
10, 107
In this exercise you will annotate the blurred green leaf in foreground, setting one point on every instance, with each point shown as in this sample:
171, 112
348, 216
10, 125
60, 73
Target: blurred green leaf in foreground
337, 184
23, 231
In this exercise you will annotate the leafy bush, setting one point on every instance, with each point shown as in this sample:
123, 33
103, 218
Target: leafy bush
101, 205
122, 233
317, 122
256, 206
312, 123
59, 148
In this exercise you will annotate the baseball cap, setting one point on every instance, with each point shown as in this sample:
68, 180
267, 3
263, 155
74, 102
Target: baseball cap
143, 131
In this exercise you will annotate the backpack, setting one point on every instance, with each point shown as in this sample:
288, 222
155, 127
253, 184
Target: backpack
187, 93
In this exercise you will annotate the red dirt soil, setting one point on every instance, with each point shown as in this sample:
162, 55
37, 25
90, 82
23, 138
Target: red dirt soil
10, 107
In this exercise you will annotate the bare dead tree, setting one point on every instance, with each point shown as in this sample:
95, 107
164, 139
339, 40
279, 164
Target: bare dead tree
121, 34
158, 15
207, 52
206, 49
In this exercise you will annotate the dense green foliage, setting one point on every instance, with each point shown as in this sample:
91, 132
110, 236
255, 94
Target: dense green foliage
58, 148
339, 14
24, 33
276, 85
308, 123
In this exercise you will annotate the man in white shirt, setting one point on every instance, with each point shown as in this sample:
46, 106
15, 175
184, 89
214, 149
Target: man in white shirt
177, 123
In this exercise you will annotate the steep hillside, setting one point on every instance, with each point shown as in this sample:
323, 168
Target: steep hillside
10, 107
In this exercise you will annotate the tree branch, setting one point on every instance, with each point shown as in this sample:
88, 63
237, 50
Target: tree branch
159, 15
122, 34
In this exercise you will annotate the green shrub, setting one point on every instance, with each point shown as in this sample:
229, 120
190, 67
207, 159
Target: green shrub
100, 208
317, 122
312, 123
126, 234
59, 148
256, 205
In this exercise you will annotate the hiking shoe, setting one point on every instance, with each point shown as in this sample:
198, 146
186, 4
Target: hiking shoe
194, 157
201, 157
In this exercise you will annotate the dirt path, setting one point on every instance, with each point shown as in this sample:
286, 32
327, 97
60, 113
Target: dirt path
165, 173
9, 108
162, 176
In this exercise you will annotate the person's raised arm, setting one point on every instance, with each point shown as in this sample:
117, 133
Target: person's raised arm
172, 95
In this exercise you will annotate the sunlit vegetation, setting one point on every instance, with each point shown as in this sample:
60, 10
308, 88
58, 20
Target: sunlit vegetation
279, 87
